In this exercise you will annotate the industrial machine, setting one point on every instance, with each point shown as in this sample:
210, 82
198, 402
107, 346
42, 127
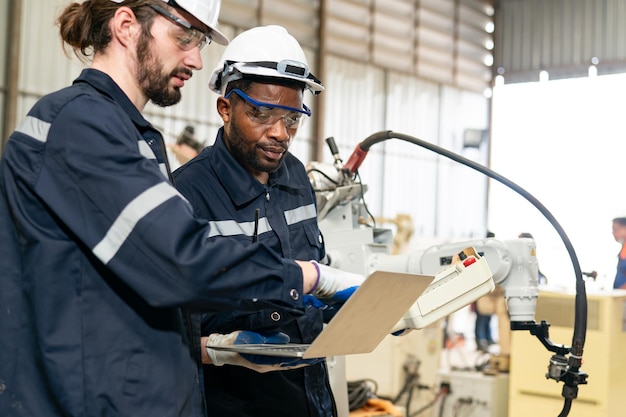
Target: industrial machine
354, 245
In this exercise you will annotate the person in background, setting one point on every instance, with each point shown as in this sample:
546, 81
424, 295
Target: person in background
102, 258
186, 146
482, 325
619, 233
249, 186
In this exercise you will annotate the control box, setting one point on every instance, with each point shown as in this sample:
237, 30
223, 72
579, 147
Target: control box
472, 394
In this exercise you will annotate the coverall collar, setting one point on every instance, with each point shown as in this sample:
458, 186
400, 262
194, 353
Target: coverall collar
109, 88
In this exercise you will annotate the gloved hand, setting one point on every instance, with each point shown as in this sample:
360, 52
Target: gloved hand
328, 310
334, 285
258, 363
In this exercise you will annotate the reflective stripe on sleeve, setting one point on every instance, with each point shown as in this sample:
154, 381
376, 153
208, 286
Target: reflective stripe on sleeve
232, 228
35, 128
137, 209
148, 153
300, 214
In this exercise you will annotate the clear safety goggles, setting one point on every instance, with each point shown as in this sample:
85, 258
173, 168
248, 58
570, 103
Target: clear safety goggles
269, 113
184, 35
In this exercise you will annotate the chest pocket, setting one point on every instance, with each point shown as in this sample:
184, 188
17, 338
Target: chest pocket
307, 241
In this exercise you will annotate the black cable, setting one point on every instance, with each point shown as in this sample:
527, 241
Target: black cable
367, 210
323, 174
409, 398
444, 397
580, 315
425, 407
458, 405
566, 407
359, 392
407, 384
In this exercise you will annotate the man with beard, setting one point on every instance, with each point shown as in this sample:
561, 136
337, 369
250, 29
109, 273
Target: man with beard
251, 188
101, 257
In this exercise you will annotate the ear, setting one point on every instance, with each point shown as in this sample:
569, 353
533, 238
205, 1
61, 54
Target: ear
224, 108
124, 26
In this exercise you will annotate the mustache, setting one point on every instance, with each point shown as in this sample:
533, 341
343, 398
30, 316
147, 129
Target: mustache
185, 71
275, 144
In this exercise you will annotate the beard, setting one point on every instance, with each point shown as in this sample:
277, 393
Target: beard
152, 81
247, 152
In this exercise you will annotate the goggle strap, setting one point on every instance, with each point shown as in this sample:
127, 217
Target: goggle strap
305, 110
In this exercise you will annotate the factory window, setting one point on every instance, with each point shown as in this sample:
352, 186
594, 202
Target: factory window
564, 142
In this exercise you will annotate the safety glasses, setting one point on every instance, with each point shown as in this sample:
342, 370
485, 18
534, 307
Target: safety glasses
268, 113
184, 35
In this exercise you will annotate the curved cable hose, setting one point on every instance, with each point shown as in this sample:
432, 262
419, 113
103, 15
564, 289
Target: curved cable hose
580, 315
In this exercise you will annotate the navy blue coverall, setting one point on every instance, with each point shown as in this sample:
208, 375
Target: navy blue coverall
101, 258
223, 192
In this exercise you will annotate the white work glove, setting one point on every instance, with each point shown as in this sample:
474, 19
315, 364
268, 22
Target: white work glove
258, 363
334, 285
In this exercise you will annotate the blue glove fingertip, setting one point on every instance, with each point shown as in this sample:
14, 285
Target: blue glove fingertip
276, 338
248, 337
343, 295
310, 300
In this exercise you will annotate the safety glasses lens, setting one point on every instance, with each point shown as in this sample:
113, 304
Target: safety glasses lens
185, 36
268, 113
187, 39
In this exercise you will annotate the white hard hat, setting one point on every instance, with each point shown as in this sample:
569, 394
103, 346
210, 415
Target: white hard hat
206, 11
267, 51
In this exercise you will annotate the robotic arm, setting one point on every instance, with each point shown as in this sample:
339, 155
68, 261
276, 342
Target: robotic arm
352, 246
512, 264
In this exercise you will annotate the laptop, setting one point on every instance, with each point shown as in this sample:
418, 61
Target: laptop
360, 325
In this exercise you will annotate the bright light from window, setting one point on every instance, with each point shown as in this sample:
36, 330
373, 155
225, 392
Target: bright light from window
544, 76
489, 44
563, 142
489, 27
488, 60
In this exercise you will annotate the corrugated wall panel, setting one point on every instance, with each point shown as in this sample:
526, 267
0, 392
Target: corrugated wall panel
348, 29
559, 36
4, 16
402, 177
393, 35
242, 13
410, 185
45, 65
399, 35
356, 96
461, 198
300, 17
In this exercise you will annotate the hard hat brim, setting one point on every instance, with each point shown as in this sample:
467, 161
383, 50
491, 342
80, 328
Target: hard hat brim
206, 13
218, 37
